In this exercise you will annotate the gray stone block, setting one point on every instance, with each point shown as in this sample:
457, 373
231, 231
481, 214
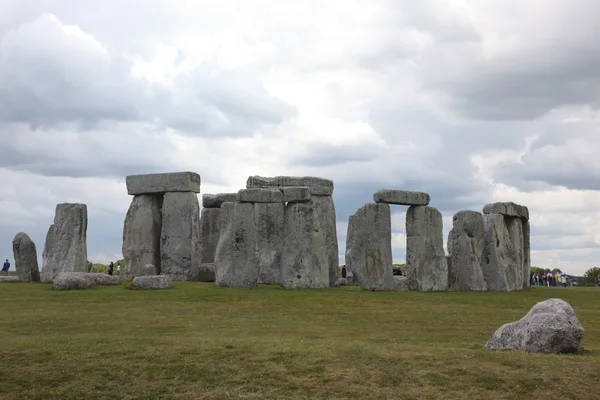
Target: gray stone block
400, 282
401, 197
236, 259
82, 280
369, 247
319, 186
526, 253
465, 246
163, 183
325, 209
210, 228
9, 279
155, 282
260, 195
65, 249
149, 270
499, 261
509, 209
180, 235
269, 225
141, 234
427, 268
26, 262
217, 200
296, 194
203, 273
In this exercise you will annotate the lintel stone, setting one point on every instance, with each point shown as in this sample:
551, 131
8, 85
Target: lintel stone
260, 195
402, 197
163, 183
508, 209
217, 200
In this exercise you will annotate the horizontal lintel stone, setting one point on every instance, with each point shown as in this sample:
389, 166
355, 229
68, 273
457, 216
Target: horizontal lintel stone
402, 197
163, 183
508, 209
216, 200
260, 195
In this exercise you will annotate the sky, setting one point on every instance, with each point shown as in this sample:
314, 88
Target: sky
470, 101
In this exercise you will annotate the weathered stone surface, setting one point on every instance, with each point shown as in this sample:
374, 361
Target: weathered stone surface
205, 272
89, 266
155, 282
369, 247
427, 268
102, 279
296, 194
180, 235
260, 195
465, 245
163, 183
141, 234
236, 259
284, 181
26, 262
72, 280
65, 249
499, 260
402, 197
217, 200
526, 253
400, 282
509, 209
149, 270
515, 231
269, 222
9, 279
325, 209
210, 228
550, 326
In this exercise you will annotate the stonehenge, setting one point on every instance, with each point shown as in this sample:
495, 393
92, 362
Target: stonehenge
26, 262
465, 248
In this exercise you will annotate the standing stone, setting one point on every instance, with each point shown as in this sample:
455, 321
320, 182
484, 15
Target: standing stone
141, 234
26, 262
269, 222
427, 268
305, 256
526, 253
65, 249
180, 235
210, 228
465, 245
236, 260
325, 210
499, 264
515, 232
369, 247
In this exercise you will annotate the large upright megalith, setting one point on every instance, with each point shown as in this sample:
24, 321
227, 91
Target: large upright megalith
141, 234
427, 268
269, 223
210, 228
369, 247
65, 249
26, 262
465, 246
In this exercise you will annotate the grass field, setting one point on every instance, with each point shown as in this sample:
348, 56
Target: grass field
201, 342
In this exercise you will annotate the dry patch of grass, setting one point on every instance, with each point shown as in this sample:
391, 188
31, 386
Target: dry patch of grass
201, 342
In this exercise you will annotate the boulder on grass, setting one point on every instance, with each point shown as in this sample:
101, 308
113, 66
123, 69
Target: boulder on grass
9, 279
152, 282
82, 280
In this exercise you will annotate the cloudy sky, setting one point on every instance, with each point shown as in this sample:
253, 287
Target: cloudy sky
471, 101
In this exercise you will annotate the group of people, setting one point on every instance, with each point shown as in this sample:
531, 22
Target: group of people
111, 267
549, 279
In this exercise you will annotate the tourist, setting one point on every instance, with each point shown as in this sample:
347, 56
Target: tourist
6, 267
564, 280
558, 279
110, 268
118, 269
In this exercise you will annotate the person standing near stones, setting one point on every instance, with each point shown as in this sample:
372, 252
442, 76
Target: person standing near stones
6, 267
118, 269
110, 268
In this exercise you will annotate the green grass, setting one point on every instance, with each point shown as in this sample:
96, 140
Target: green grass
201, 342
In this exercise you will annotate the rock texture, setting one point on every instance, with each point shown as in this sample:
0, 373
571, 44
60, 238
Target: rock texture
402, 197
149, 270
500, 257
400, 282
551, 326
305, 257
155, 282
325, 211
269, 223
163, 183
465, 245
180, 235
507, 209
69, 281
236, 260
26, 262
141, 234
210, 228
205, 272
260, 195
369, 247
8, 279
427, 268
65, 249
318, 186
217, 200
296, 194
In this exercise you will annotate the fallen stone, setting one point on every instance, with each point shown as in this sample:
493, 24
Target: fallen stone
9, 279
155, 282
236, 259
465, 245
65, 249
402, 197
217, 200
141, 234
163, 183
499, 265
210, 228
509, 209
26, 262
180, 235
149, 270
72, 280
260, 195
325, 209
269, 225
305, 255
296, 194
205, 272
427, 269
369, 247
550, 327
400, 282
